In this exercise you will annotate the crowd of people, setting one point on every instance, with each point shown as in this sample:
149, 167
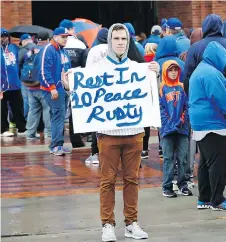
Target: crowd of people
190, 66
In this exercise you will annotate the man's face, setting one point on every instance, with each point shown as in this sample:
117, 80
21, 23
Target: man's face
4, 40
62, 40
26, 41
173, 73
119, 41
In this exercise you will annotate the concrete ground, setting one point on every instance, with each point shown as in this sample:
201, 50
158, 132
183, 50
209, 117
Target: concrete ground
75, 218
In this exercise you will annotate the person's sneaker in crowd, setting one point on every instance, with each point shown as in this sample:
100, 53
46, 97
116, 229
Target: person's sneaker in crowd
175, 187
108, 233
12, 125
7, 134
89, 138
21, 133
47, 138
160, 154
203, 205
185, 192
134, 231
191, 184
220, 207
58, 150
169, 193
66, 150
92, 159
37, 136
144, 154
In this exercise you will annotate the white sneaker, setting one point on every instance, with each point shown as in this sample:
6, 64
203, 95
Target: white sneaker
134, 231
108, 233
37, 136
92, 159
7, 134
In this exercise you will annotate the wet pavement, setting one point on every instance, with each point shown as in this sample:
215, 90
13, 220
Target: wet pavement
47, 198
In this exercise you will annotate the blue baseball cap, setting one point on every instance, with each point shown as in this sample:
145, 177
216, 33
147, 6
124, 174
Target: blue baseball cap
61, 31
174, 23
23, 37
66, 23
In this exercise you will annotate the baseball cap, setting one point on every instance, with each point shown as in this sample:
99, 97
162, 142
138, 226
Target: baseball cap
66, 23
174, 23
23, 37
60, 31
156, 30
43, 35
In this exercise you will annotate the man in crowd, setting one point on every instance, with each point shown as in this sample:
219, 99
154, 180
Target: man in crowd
211, 28
77, 52
54, 62
10, 85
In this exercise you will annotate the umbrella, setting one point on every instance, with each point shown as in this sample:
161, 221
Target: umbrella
87, 29
17, 31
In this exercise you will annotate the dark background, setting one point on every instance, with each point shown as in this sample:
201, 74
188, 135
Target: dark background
141, 14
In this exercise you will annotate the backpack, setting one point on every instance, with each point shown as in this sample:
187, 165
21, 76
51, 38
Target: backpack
29, 71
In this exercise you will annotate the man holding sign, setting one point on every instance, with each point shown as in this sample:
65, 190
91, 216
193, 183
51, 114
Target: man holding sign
117, 99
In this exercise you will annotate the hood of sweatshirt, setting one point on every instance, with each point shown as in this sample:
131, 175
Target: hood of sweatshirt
212, 25
111, 53
165, 78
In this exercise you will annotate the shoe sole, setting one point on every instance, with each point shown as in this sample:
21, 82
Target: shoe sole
203, 206
107, 240
57, 154
134, 237
217, 209
169, 196
144, 157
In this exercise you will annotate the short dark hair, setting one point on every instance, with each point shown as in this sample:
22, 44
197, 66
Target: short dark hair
118, 27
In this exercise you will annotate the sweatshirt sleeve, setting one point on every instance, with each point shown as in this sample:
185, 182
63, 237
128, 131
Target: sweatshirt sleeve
216, 91
21, 57
163, 112
189, 67
46, 66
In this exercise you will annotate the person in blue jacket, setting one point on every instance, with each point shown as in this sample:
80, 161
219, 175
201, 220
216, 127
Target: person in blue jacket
224, 30
54, 63
174, 130
207, 110
155, 35
211, 28
174, 28
167, 50
10, 85
131, 30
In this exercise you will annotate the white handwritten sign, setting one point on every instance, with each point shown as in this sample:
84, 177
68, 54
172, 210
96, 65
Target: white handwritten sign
110, 99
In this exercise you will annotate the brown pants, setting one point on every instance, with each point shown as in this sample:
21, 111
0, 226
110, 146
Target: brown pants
112, 150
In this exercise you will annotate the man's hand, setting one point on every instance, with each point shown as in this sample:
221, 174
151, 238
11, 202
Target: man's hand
154, 66
1, 95
64, 78
182, 118
54, 94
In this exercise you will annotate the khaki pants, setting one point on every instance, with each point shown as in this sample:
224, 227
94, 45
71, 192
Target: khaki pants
112, 150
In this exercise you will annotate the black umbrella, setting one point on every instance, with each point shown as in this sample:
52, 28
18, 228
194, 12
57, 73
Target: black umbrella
17, 31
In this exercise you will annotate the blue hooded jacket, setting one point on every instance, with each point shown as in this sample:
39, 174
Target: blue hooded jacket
173, 104
131, 30
9, 66
224, 29
167, 50
207, 90
211, 28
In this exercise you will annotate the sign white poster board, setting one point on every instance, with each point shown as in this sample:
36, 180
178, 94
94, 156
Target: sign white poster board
110, 99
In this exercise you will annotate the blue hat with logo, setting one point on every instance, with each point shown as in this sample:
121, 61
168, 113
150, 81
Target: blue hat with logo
61, 31
66, 23
174, 23
23, 37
